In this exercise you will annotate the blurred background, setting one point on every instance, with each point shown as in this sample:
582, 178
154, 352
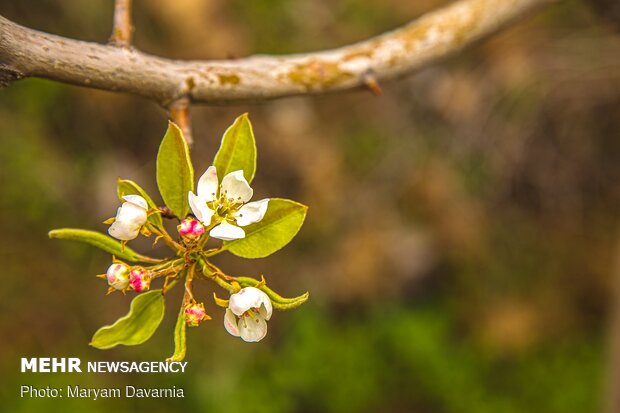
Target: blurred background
461, 242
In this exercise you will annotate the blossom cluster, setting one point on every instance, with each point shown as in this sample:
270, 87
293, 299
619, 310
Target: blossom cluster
225, 209
213, 215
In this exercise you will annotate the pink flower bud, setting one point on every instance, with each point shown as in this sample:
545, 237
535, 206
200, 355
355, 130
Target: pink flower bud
139, 279
190, 228
195, 314
118, 276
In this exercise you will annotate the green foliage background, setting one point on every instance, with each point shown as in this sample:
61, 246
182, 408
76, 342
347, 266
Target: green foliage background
459, 246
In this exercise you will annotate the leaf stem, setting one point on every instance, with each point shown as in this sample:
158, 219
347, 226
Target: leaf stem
189, 297
213, 251
163, 265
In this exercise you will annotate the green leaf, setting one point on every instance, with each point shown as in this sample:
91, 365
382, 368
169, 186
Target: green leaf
238, 150
100, 241
145, 315
280, 224
179, 337
175, 173
127, 187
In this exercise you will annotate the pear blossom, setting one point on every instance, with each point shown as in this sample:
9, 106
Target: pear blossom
118, 276
129, 218
226, 204
190, 229
195, 314
247, 314
139, 279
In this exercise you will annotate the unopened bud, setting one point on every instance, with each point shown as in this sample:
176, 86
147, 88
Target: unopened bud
118, 276
195, 314
190, 228
139, 279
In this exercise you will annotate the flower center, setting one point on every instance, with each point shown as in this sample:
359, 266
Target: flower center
251, 313
225, 206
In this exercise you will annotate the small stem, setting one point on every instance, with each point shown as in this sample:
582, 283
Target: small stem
166, 212
218, 272
189, 297
165, 264
179, 114
122, 29
165, 236
150, 260
216, 275
169, 284
205, 238
213, 251
370, 81
168, 271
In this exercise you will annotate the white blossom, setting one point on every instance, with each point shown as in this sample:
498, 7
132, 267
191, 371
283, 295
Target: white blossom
226, 204
247, 314
129, 218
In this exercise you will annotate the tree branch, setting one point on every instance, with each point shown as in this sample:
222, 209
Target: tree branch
122, 29
25, 52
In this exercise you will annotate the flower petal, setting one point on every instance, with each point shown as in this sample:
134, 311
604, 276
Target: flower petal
123, 231
266, 309
252, 328
236, 187
251, 212
230, 323
227, 232
131, 214
199, 208
136, 200
207, 184
249, 298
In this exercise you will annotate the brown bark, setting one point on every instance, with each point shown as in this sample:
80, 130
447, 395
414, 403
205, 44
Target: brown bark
29, 53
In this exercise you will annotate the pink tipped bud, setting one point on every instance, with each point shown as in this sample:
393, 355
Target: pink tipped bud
190, 228
139, 279
195, 314
118, 276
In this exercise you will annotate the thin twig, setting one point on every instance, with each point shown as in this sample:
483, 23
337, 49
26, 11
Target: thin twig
188, 296
165, 236
179, 114
122, 30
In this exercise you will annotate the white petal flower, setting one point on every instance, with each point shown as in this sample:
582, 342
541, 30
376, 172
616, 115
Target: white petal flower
208, 184
236, 188
200, 208
230, 323
227, 232
225, 206
247, 314
251, 212
137, 200
252, 328
129, 218
207, 190
250, 298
